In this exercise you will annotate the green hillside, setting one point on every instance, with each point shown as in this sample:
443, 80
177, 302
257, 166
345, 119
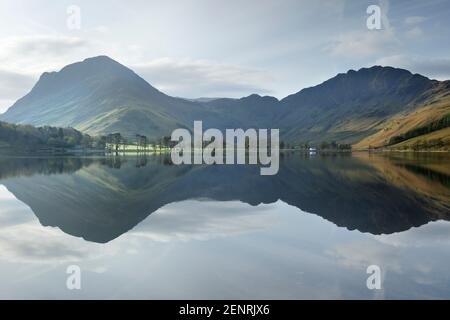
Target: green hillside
26, 137
435, 141
99, 96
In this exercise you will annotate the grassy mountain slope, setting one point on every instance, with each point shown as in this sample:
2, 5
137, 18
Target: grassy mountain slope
98, 96
253, 111
352, 106
101, 96
434, 141
435, 107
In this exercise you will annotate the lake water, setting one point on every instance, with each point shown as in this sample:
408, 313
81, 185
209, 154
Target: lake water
139, 227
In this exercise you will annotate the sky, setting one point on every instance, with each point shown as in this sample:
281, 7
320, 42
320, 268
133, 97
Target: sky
218, 48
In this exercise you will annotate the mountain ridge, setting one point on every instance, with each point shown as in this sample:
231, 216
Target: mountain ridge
99, 96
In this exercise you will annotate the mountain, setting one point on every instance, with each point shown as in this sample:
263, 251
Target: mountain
253, 111
101, 96
347, 108
100, 199
353, 105
434, 108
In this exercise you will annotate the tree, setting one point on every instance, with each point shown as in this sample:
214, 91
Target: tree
166, 141
61, 133
144, 142
306, 145
70, 141
344, 146
117, 140
138, 141
324, 145
99, 142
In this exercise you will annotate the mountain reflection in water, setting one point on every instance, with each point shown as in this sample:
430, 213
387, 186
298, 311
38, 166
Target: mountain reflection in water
101, 198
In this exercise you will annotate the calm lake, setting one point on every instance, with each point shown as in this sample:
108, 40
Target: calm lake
140, 227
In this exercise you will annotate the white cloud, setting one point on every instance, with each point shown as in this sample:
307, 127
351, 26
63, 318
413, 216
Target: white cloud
433, 234
415, 33
438, 68
5, 104
101, 29
23, 59
363, 43
22, 238
41, 44
412, 20
193, 78
12, 86
205, 220
365, 253
366, 43
27, 242
36, 54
